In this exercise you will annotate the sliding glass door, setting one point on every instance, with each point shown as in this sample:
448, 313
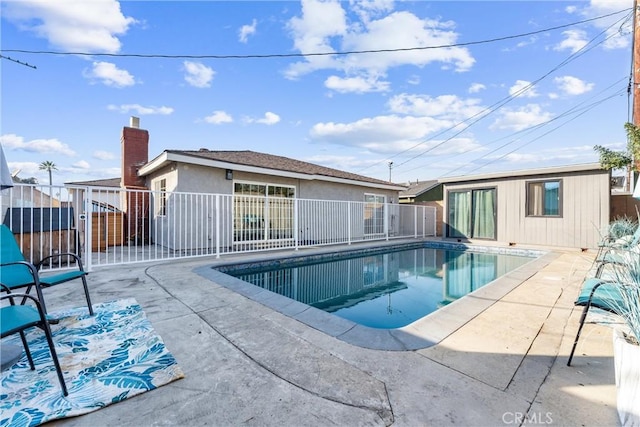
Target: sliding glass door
472, 213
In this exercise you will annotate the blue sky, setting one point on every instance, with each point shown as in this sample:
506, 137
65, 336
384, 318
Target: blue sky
446, 88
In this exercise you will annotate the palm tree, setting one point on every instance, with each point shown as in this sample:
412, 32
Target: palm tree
48, 165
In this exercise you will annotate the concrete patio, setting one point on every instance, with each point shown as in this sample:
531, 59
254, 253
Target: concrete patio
253, 359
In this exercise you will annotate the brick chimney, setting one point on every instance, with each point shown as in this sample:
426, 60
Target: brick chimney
135, 204
135, 153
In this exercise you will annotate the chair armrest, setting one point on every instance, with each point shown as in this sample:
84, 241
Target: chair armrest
32, 268
35, 300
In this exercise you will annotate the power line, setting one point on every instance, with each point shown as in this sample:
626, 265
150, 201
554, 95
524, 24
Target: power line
18, 62
549, 131
576, 109
497, 105
298, 55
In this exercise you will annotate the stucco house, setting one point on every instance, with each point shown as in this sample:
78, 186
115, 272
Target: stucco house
558, 206
257, 190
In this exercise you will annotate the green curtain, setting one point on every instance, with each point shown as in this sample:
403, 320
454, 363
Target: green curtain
459, 213
483, 270
484, 221
457, 273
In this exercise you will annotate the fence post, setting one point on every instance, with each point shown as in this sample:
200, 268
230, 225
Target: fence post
387, 221
217, 213
349, 222
296, 234
88, 238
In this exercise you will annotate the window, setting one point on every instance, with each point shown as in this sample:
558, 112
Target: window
472, 213
544, 198
161, 196
263, 211
374, 214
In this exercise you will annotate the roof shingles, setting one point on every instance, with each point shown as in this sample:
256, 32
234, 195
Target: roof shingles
270, 161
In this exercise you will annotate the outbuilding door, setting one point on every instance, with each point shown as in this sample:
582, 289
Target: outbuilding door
472, 213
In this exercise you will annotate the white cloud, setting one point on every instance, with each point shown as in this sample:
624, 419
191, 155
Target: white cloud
574, 41
476, 87
246, 31
366, 9
413, 124
391, 134
402, 29
323, 25
86, 26
444, 107
617, 37
521, 118
414, 80
268, 119
197, 74
360, 84
40, 146
319, 21
560, 155
82, 165
26, 170
139, 109
523, 88
386, 133
218, 117
110, 75
103, 155
570, 85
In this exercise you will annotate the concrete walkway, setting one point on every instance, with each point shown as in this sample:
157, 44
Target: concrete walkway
254, 363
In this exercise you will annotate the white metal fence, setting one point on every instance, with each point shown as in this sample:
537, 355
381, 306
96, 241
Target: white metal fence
107, 226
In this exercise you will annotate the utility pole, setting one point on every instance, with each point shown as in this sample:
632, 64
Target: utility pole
635, 113
390, 165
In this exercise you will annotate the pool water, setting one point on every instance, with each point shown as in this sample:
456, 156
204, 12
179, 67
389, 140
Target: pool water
386, 290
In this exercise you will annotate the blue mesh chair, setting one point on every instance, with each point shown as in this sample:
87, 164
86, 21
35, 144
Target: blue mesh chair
601, 294
16, 272
614, 252
15, 319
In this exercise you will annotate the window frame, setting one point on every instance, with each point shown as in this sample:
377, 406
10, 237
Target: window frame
529, 208
262, 198
161, 191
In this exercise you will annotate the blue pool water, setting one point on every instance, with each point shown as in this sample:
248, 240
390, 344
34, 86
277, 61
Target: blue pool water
385, 290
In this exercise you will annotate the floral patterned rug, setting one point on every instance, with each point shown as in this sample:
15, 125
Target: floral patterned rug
105, 359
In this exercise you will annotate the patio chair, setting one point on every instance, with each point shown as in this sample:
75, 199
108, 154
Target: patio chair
601, 294
18, 318
618, 256
609, 241
16, 272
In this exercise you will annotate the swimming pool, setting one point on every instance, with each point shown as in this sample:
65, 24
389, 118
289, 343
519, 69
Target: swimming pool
385, 290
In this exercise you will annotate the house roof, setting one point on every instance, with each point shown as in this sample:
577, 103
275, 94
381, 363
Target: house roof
417, 188
269, 164
526, 172
109, 182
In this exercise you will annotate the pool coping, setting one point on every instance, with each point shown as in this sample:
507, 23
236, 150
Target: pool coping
423, 333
